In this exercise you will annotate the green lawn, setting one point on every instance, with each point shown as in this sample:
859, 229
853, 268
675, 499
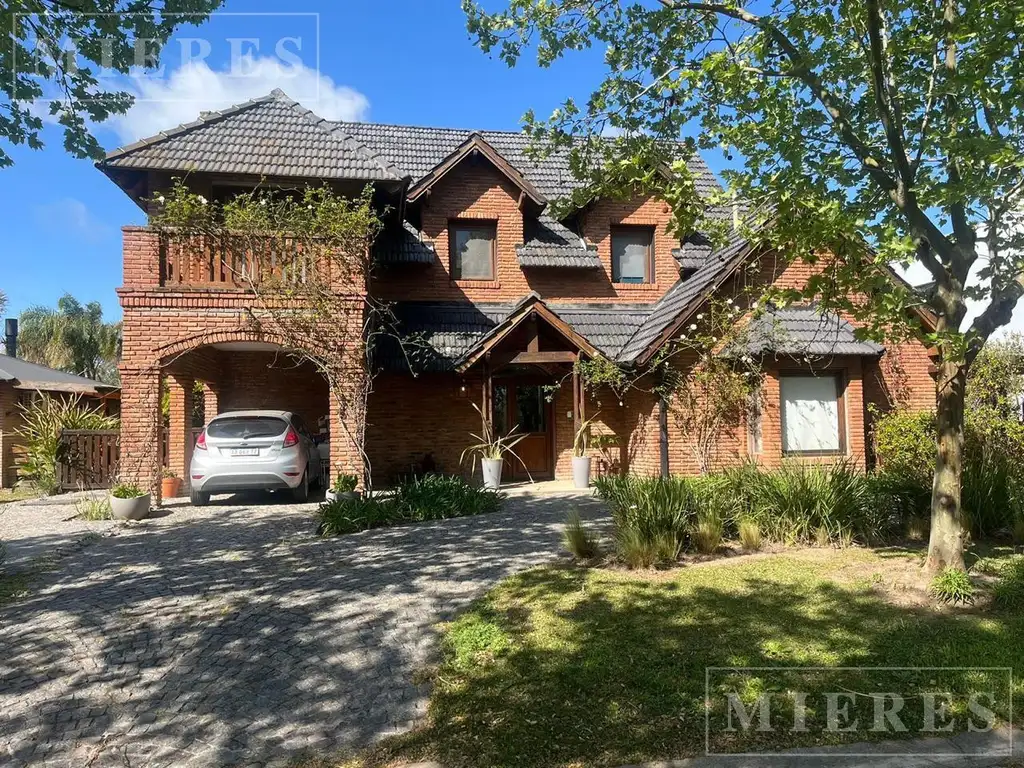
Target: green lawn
561, 666
22, 492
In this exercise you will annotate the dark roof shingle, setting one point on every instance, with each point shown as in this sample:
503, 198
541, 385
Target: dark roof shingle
806, 332
25, 375
550, 243
269, 136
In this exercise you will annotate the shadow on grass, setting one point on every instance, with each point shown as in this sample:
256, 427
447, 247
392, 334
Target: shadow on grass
560, 666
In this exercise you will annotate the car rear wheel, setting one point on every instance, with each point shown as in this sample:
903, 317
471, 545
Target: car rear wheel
199, 499
300, 493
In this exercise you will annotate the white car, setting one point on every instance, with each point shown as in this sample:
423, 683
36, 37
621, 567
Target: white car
254, 450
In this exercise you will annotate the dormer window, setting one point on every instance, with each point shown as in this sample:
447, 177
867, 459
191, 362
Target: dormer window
472, 248
632, 254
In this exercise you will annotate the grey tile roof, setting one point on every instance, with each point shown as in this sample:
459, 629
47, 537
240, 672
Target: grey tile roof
550, 243
694, 252
403, 245
436, 335
416, 150
25, 375
804, 331
269, 136
680, 297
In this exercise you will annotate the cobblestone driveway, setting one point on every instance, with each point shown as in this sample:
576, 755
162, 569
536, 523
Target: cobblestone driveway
232, 635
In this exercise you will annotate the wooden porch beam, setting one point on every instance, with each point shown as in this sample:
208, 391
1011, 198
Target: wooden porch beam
544, 357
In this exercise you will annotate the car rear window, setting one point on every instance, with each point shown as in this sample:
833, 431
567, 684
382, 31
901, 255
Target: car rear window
247, 426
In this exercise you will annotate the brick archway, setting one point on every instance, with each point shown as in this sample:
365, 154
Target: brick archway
172, 350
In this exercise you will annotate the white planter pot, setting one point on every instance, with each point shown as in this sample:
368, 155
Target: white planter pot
130, 509
331, 495
581, 471
492, 472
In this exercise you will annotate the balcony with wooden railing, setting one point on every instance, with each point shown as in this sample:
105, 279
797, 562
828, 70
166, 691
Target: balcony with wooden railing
220, 262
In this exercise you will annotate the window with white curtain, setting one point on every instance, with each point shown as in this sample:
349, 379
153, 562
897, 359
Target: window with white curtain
472, 250
811, 414
632, 254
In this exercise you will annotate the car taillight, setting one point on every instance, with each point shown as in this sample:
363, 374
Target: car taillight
291, 438
201, 441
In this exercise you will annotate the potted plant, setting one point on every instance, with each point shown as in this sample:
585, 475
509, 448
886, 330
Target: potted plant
491, 448
580, 459
170, 484
128, 501
344, 487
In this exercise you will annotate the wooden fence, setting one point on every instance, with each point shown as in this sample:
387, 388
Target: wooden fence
87, 458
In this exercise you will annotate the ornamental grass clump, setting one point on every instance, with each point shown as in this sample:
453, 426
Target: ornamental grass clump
1008, 592
580, 541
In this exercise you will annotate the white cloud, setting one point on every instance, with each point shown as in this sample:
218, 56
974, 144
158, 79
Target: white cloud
165, 102
71, 216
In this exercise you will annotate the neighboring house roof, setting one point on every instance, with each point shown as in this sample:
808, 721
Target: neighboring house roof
550, 243
269, 136
25, 375
803, 331
403, 245
440, 335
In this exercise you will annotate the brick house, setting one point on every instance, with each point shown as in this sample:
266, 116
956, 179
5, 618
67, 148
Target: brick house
505, 296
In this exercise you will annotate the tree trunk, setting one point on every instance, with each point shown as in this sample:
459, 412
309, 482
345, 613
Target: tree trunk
945, 545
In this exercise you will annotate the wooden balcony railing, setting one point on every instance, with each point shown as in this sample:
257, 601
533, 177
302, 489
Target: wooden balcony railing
221, 262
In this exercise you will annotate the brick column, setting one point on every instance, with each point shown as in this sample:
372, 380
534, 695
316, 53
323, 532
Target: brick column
141, 428
344, 452
180, 389
209, 402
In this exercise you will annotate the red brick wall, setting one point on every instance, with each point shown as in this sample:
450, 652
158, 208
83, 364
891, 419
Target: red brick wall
479, 191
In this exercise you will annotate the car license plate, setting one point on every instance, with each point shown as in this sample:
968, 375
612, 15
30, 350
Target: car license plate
245, 451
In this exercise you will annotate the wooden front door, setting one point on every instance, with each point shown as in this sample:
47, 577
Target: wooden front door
523, 407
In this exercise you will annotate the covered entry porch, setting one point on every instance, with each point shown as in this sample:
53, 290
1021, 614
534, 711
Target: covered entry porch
524, 366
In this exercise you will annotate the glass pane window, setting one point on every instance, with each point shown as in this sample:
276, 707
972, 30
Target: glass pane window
472, 251
810, 414
245, 427
500, 409
530, 409
632, 254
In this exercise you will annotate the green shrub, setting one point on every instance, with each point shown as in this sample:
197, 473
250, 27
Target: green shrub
433, 497
438, 497
905, 443
345, 483
42, 422
993, 473
750, 535
341, 516
952, 586
93, 508
1009, 590
581, 542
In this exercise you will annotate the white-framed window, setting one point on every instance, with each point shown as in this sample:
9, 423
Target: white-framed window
813, 418
472, 245
632, 254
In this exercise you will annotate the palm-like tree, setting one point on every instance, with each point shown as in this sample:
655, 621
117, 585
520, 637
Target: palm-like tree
71, 338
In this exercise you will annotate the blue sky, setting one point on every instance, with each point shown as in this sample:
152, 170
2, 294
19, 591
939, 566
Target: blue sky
403, 61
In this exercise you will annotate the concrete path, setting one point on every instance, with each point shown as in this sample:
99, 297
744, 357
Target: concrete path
231, 635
